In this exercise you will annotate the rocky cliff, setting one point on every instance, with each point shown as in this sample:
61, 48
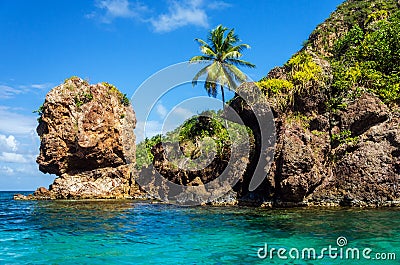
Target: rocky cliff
336, 108
336, 113
87, 140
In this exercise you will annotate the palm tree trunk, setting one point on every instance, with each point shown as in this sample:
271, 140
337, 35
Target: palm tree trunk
223, 98
223, 105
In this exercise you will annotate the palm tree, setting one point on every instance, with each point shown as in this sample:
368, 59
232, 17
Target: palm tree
222, 56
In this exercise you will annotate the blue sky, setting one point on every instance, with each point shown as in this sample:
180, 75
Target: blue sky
124, 42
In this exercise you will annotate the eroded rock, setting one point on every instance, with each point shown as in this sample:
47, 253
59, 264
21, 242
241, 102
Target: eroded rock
87, 140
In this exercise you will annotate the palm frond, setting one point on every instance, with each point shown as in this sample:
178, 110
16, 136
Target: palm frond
199, 58
231, 54
240, 47
211, 87
216, 38
202, 43
239, 62
231, 83
221, 49
236, 73
207, 51
203, 71
230, 39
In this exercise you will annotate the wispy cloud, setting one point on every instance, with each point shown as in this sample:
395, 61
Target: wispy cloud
180, 13
12, 122
41, 86
218, 5
8, 92
108, 10
183, 112
161, 110
13, 158
6, 170
116, 8
147, 129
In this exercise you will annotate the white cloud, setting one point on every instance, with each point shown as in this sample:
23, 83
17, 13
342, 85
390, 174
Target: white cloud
13, 158
6, 170
161, 110
8, 92
14, 123
111, 9
8, 142
41, 86
147, 129
218, 5
181, 14
116, 8
182, 112
176, 118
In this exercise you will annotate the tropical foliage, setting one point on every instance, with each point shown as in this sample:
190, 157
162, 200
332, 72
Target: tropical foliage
201, 135
369, 58
302, 72
222, 54
365, 57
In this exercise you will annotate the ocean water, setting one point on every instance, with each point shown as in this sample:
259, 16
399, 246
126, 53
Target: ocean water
128, 232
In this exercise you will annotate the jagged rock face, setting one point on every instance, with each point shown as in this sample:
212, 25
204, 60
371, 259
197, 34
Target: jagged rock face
366, 170
301, 162
87, 140
165, 188
99, 183
310, 168
364, 113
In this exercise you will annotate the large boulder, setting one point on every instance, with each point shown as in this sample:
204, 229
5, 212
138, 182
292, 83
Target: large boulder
87, 140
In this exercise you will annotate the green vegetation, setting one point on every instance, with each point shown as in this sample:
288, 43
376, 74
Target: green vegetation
303, 71
349, 14
366, 57
144, 157
83, 98
369, 59
360, 12
200, 127
274, 86
39, 111
198, 137
123, 98
223, 54
298, 118
344, 137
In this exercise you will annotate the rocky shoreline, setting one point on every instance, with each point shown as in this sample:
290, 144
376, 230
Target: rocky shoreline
92, 152
336, 116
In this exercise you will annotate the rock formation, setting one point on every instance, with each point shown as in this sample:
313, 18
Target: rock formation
87, 140
336, 106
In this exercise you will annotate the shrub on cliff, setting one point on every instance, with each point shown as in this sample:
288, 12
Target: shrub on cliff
369, 58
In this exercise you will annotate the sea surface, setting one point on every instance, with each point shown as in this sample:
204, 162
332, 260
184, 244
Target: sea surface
128, 232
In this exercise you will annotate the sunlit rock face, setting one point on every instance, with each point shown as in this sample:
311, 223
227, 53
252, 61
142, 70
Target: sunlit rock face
87, 140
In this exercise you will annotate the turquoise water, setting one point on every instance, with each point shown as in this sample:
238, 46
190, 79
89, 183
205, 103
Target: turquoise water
126, 232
